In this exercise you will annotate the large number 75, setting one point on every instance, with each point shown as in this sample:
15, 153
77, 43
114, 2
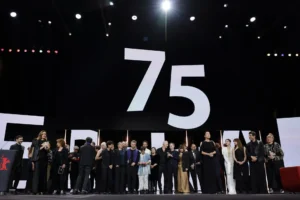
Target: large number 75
199, 99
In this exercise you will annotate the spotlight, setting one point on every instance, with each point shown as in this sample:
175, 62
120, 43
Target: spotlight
275, 54
2, 49
290, 55
226, 26
220, 37
297, 55
192, 18
225, 5
25, 50
285, 27
247, 25
268, 54
13, 14
282, 55
33, 51
258, 37
252, 19
48, 51
56, 52
41, 51
166, 5
109, 24
111, 3
10, 50
70, 34
134, 17
18, 50
107, 35
78, 16
40, 21
49, 22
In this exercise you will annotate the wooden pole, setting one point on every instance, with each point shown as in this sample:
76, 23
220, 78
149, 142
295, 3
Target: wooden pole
221, 137
264, 166
65, 139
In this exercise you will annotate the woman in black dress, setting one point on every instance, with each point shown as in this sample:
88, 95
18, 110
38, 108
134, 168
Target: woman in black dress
58, 169
40, 147
240, 168
154, 170
208, 151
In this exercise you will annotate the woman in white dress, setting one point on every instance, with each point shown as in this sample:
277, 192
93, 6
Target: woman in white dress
227, 152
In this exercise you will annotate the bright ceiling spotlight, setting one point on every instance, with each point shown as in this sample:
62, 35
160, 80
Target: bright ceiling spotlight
48, 51
166, 5
220, 37
290, 55
78, 16
56, 52
247, 25
225, 5
32, 50
2, 49
41, 51
18, 50
252, 19
297, 55
275, 54
285, 27
25, 50
70, 34
258, 37
49, 22
13, 14
40, 21
109, 24
268, 54
134, 17
226, 26
282, 55
111, 3
107, 35
10, 50
192, 18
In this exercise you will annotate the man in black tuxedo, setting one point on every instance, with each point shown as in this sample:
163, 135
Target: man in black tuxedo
162, 168
195, 166
172, 165
87, 157
107, 167
18, 164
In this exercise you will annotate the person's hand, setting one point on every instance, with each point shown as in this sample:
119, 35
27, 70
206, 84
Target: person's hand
198, 163
132, 164
211, 155
32, 166
63, 166
192, 166
152, 166
74, 158
110, 166
253, 158
186, 169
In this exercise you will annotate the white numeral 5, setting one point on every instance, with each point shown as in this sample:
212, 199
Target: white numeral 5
199, 99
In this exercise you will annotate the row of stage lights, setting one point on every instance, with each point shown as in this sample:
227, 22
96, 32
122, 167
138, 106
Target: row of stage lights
27, 50
282, 55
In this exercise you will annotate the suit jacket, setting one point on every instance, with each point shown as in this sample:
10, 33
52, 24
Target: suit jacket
107, 158
194, 160
173, 161
185, 161
259, 151
87, 155
19, 154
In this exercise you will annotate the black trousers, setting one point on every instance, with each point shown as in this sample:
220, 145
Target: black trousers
106, 179
132, 177
196, 173
73, 177
119, 179
15, 176
84, 172
39, 178
172, 172
162, 170
273, 174
92, 179
258, 178
58, 181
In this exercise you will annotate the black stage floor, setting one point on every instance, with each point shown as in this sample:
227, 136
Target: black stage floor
158, 197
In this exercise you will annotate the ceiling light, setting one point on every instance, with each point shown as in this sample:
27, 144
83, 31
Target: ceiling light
226, 26
297, 55
166, 5
268, 54
225, 5
41, 51
192, 18
78, 16
275, 54
134, 17
247, 25
32, 50
48, 51
70, 34
285, 27
290, 55
25, 50
109, 24
111, 3
220, 37
2, 49
18, 50
13, 14
10, 50
49, 22
40, 21
107, 35
252, 19
56, 52
258, 37
282, 55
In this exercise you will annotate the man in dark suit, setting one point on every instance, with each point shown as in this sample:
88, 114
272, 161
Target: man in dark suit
107, 167
87, 157
195, 166
172, 165
162, 168
18, 164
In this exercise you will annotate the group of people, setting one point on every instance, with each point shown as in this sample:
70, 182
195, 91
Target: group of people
123, 169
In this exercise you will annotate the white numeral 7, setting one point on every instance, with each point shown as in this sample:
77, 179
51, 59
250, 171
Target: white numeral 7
157, 59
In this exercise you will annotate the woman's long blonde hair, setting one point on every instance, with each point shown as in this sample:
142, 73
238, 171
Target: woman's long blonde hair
39, 137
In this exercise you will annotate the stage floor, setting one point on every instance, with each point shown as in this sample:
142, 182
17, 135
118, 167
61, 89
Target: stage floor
161, 197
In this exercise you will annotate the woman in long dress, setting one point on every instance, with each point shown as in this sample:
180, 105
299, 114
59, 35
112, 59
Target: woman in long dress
183, 166
240, 168
228, 159
144, 171
154, 170
208, 151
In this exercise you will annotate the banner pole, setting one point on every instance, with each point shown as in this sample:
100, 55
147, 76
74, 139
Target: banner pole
265, 167
98, 137
65, 138
221, 137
